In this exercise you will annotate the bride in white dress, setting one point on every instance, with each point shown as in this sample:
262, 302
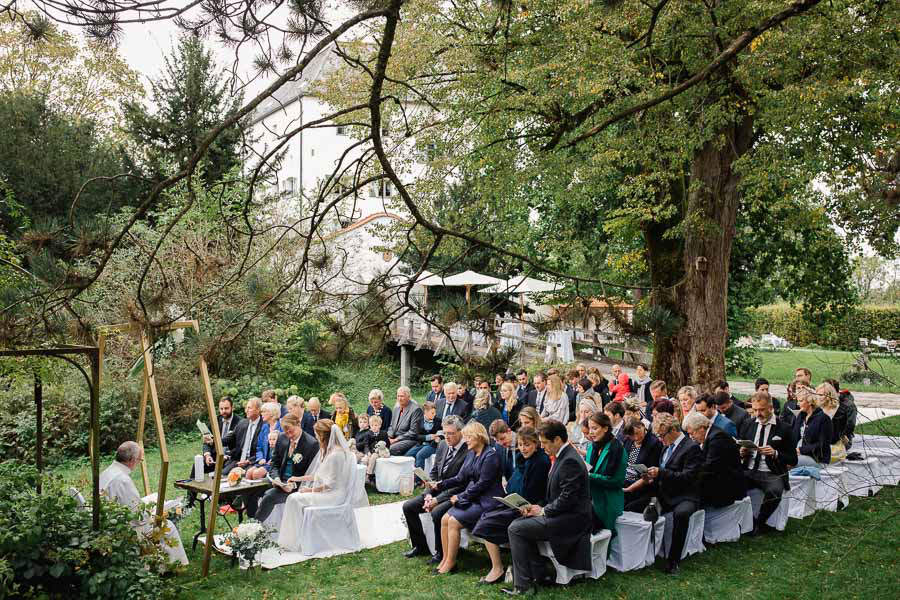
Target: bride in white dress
331, 485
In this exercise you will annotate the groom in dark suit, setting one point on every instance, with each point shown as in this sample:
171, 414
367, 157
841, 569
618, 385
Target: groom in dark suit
564, 521
294, 452
451, 454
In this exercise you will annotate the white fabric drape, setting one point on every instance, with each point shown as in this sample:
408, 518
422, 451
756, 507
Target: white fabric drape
335, 476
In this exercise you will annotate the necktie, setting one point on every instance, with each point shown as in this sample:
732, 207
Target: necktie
447, 408
225, 426
552, 460
448, 460
293, 447
667, 455
245, 452
760, 442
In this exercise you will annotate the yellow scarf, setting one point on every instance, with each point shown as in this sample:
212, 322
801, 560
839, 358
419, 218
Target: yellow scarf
341, 420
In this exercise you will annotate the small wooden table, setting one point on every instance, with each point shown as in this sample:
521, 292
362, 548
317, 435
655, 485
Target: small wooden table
204, 490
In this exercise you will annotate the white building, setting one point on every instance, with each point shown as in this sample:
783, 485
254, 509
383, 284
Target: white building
354, 232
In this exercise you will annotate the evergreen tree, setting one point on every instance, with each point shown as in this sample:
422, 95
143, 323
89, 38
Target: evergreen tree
190, 98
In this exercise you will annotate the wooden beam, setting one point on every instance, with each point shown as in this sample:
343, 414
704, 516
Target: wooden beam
160, 431
142, 421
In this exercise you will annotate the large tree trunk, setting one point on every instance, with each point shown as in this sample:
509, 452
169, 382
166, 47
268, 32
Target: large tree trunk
697, 265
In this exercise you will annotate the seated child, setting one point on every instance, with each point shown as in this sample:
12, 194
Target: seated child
368, 453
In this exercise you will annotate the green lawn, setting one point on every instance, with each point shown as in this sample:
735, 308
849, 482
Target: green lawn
851, 554
888, 426
779, 366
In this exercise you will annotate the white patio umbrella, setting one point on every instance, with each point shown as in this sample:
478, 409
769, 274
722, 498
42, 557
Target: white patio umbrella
469, 279
522, 285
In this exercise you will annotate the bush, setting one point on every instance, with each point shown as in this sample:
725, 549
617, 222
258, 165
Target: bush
842, 333
743, 360
48, 549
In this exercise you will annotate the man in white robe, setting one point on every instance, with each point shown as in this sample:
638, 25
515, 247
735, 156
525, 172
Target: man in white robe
116, 483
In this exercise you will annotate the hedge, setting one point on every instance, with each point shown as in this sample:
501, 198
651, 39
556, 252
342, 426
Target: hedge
844, 333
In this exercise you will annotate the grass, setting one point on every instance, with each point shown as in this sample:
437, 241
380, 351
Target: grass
887, 426
779, 366
850, 554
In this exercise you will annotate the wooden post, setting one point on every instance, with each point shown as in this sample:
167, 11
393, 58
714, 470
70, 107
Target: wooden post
405, 364
39, 428
217, 474
142, 421
95, 439
160, 432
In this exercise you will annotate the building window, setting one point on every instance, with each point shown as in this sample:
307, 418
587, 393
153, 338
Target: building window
290, 186
381, 189
342, 130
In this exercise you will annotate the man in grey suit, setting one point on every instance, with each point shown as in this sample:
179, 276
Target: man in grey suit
406, 424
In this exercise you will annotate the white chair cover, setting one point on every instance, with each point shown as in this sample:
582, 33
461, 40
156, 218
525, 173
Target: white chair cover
429, 463
876, 441
390, 472
329, 530
726, 524
890, 463
831, 488
511, 329
801, 498
631, 549
779, 518
360, 498
599, 547
693, 544
562, 341
428, 528
863, 476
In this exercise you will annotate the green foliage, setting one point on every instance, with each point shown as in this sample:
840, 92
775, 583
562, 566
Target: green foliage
46, 158
842, 331
295, 362
743, 361
190, 98
48, 549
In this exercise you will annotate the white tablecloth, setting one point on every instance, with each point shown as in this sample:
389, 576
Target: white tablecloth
390, 472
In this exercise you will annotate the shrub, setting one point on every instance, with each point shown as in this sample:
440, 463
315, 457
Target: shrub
842, 333
743, 360
48, 549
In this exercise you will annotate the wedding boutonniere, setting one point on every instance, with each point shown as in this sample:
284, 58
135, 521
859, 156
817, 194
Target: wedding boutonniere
297, 458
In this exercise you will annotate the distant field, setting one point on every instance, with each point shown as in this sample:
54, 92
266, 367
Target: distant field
778, 367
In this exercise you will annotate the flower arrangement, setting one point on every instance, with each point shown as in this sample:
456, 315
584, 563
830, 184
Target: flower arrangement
248, 539
235, 476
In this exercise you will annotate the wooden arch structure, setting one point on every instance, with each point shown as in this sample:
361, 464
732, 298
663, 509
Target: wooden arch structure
149, 394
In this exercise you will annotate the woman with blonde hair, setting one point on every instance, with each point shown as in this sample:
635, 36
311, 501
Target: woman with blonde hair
830, 404
484, 413
344, 416
586, 408
509, 405
529, 417
481, 476
265, 441
556, 403
812, 430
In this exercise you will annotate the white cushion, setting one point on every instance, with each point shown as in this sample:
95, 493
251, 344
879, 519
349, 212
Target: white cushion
390, 472
599, 548
693, 543
634, 547
726, 524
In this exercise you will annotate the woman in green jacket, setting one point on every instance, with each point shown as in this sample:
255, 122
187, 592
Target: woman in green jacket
606, 472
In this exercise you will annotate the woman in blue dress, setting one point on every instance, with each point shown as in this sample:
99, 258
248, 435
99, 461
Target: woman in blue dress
271, 413
529, 480
481, 474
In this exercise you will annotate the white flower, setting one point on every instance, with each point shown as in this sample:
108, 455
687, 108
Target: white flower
248, 530
297, 458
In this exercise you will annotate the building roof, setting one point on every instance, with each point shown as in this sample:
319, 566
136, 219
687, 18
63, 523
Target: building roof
298, 87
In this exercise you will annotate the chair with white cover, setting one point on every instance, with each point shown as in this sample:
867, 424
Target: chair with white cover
890, 463
328, 530
863, 476
779, 518
599, 547
391, 472
429, 463
693, 543
428, 529
831, 488
633, 547
360, 498
801, 498
726, 524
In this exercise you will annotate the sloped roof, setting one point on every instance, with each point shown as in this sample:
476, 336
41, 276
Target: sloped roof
301, 86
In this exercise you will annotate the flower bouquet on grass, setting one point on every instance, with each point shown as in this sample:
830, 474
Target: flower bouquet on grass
248, 539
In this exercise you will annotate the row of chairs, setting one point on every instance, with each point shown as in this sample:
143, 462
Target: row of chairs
638, 542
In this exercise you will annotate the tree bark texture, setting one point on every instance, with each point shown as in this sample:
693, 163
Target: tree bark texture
697, 265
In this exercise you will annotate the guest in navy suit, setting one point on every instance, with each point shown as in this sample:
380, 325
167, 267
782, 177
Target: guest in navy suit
641, 448
481, 474
312, 414
437, 390
528, 479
